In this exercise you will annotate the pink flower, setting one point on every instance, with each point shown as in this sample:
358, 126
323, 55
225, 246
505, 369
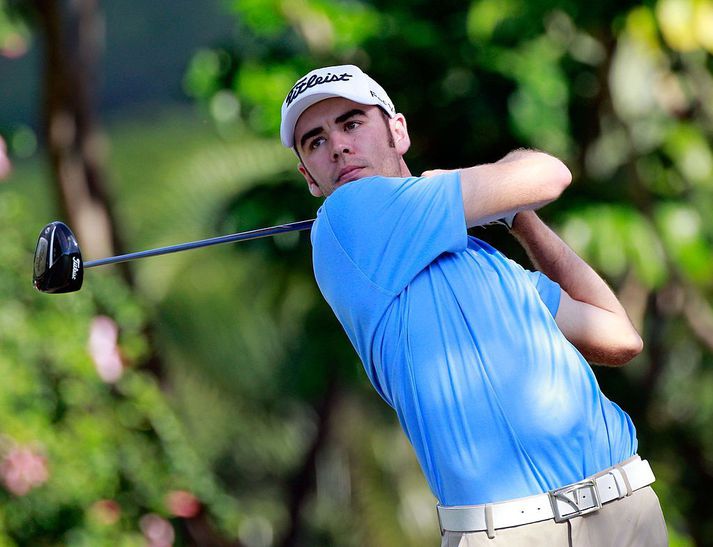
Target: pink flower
182, 503
103, 348
5, 165
22, 469
106, 512
14, 45
158, 531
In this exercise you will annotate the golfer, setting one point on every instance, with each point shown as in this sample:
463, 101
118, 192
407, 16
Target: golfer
484, 362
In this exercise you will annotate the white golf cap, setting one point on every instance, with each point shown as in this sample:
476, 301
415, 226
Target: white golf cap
347, 81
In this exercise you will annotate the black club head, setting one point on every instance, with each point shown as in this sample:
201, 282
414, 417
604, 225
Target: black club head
58, 266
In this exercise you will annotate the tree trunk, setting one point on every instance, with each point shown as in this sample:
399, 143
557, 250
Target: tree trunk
73, 39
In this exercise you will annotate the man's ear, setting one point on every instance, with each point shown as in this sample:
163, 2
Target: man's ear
312, 185
402, 141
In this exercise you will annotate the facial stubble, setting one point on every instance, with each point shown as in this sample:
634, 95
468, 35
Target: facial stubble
390, 137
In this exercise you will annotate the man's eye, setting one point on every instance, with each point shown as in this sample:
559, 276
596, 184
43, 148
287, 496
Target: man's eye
353, 124
315, 143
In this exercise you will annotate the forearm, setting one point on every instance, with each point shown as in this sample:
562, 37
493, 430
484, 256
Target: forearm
589, 314
522, 180
559, 262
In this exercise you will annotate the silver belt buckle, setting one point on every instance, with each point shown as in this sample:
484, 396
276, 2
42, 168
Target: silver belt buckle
582, 497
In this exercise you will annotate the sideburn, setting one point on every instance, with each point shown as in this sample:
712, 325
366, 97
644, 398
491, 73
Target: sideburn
299, 156
385, 117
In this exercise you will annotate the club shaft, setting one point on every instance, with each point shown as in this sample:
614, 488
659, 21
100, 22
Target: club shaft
231, 238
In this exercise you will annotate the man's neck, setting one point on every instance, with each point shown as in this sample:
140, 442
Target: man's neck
405, 172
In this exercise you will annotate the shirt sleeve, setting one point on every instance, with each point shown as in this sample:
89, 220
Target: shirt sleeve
550, 291
392, 228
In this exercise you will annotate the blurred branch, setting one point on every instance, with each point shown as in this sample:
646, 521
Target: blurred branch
697, 481
303, 481
657, 350
203, 534
699, 315
634, 295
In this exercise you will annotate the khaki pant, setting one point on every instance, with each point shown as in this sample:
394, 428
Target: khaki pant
634, 521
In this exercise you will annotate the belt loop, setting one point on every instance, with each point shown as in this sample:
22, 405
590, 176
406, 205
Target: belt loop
629, 490
618, 477
490, 528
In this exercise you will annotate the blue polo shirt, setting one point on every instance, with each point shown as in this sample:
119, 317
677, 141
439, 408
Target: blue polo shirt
462, 343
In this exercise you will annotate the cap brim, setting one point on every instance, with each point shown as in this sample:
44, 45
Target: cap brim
287, 131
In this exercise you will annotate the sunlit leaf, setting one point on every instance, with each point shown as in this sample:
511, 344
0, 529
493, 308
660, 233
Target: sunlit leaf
615, 239
538, 107
264, 87
681, 229
690, 150
263, 17
353, 21
686, 25
485, 15
204, 71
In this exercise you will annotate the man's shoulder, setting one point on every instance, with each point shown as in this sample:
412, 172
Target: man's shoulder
352, 210
361, 196
371, 193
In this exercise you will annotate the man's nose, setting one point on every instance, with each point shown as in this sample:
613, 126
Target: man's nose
340, 145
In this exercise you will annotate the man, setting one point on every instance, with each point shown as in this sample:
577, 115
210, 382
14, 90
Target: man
483, 361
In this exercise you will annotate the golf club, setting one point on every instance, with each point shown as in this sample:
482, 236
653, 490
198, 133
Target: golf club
58, 265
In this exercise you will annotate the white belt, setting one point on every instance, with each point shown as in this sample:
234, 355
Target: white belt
561, 504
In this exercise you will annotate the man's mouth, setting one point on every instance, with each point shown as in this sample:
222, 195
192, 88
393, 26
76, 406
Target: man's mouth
348, 174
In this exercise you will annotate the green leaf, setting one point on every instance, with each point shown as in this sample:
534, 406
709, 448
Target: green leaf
615, 239
681, 227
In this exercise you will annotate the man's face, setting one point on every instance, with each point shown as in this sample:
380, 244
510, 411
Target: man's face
340, 141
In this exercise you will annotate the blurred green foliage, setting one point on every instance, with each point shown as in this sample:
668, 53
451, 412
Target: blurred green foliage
260, 409
93, 456
14, 34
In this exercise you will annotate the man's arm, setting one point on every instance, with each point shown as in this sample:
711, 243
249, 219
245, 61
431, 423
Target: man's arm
589, 314
523, 179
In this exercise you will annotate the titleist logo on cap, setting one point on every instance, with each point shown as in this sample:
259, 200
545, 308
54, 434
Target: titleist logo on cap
307, 83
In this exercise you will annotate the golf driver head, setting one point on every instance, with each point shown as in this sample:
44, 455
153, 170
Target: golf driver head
58, 264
